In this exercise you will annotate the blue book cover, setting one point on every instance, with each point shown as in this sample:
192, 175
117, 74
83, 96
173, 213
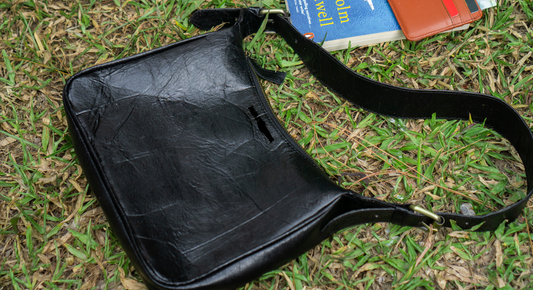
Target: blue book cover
360, 22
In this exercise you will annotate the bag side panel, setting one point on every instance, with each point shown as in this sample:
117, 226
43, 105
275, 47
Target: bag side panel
194, 178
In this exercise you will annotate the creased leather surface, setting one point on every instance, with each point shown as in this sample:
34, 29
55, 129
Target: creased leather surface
198, 182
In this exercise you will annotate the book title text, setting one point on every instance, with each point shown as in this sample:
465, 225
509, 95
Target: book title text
326, 19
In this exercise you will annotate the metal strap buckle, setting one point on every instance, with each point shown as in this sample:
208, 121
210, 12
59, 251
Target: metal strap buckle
283, 13
438, 221
272, 11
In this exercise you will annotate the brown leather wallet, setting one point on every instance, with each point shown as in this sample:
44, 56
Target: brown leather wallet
420, 19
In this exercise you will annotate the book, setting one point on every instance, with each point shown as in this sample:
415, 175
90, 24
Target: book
342, 23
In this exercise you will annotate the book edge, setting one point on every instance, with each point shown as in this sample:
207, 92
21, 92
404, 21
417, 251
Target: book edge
371, 39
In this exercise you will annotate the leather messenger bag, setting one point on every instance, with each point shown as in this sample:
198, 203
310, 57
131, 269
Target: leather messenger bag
198, 179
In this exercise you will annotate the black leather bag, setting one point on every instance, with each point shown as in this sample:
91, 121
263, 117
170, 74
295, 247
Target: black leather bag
199, 181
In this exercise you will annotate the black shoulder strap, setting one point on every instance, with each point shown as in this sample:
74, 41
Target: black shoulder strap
396, 102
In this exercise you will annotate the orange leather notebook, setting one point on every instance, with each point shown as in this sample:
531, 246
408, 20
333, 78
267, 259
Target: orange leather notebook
422, 18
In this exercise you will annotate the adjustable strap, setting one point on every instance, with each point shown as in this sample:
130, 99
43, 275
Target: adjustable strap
396, 102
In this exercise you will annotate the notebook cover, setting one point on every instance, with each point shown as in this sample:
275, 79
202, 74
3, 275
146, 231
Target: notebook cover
420, 19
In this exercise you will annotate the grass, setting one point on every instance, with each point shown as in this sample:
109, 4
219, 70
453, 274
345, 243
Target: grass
53, 235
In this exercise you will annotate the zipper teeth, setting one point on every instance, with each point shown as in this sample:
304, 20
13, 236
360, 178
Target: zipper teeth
277, 122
